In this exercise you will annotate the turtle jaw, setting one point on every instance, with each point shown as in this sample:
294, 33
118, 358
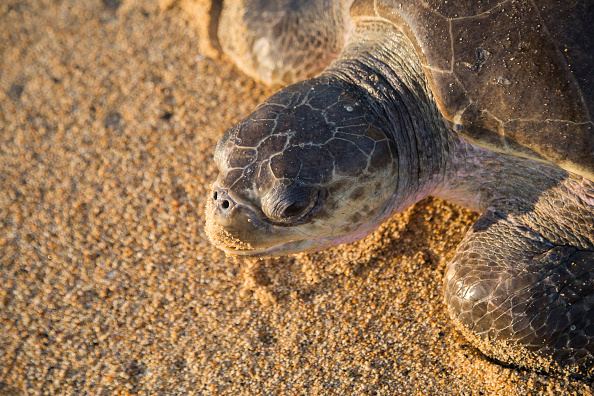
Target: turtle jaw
297, 246
282, 249
242, 232
289, 247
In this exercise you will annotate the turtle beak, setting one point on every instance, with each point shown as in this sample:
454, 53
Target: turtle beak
237, 229
228, 224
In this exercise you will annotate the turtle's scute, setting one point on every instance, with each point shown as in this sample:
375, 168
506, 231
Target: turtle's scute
517, 69
251, 132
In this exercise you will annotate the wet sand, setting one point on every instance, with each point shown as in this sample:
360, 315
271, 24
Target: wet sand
109, 113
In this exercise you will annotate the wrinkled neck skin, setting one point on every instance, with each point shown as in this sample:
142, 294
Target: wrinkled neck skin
432, 159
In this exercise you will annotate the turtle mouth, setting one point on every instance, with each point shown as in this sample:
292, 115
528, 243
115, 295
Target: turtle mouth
240, 230
281, 249
246, 234
308, 245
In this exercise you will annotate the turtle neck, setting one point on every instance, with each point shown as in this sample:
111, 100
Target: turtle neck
381, 64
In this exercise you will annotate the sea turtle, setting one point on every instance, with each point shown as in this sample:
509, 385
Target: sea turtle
483, 103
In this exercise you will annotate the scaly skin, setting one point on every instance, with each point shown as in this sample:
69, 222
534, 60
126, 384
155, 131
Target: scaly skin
283, 41
326, 161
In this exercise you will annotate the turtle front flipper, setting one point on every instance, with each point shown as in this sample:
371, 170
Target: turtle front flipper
522, 296
283, 42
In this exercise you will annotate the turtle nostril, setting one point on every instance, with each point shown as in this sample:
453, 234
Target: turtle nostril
221, 199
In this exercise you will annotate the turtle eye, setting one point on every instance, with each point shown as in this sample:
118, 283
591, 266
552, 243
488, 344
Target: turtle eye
295, 209
289, 204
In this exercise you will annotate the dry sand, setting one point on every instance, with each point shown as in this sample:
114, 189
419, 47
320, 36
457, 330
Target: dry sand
109, 115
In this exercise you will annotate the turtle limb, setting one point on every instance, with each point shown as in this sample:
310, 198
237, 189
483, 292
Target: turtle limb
522, 298
283, 42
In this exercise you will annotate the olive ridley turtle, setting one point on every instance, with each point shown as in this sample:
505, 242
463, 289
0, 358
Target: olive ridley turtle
484, 103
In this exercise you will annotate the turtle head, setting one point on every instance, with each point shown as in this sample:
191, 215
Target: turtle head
309, 168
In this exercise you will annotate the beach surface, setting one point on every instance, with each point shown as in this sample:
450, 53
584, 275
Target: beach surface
109, 114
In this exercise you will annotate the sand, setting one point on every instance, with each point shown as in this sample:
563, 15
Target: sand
109, 113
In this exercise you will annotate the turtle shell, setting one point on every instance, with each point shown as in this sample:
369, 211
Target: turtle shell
512, 76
